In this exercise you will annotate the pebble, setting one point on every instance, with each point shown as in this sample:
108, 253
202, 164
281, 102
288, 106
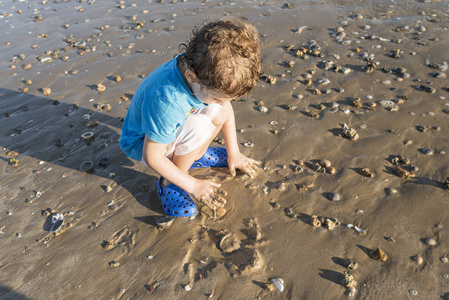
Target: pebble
444, 259
413, 292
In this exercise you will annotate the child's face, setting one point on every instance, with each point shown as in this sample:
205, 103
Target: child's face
208, 96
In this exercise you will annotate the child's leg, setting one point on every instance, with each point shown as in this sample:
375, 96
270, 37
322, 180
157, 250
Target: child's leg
198, 124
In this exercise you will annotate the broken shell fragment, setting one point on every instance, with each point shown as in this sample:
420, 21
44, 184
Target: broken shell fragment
330, 224
229, 243
315, 222
331, 170
366, 172
379, 255
279, 283
349, 133
164, 222
46, 91
325, 163
418, 259
101, 88
87, 166
87, 135
403, 173
269, 287
349, 281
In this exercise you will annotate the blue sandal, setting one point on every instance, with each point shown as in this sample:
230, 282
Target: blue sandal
214, 157
175, 201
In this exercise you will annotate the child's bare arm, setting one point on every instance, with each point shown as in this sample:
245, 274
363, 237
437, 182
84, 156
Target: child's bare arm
203, 190
236, 160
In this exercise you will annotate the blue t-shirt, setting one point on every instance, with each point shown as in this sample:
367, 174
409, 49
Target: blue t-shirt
159, 107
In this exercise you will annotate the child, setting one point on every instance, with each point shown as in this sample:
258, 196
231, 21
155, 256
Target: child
182, 105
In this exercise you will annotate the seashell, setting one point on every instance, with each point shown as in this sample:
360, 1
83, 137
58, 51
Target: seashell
431, 242
28, 82
103, 162
370, 67
114, 264
403, 173
366, 172
87, 166
334, 196
46, 59
351, 265
444, 259
316, 92
325, 163
391, 191
27, 67
379, 255
248, 144
101, 88
164, 222
330, 224
46, 91
349, 281
323, 81
279, 283
356, 102
359, 230
349, 133
87, 135
315, 222
350, 291
418, 259
427, 89
187, 287
269, 287
387, 103
291, 64
80, 44
331, 170
313, 114
427, 151
229, 243
117, 78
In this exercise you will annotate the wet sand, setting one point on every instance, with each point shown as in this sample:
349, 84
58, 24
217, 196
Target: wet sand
110, 246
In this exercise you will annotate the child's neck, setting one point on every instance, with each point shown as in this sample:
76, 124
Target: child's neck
182, 69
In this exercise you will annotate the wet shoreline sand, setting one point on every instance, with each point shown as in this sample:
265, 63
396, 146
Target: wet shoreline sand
110, 215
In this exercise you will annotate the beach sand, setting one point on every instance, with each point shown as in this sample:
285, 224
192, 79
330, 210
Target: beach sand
110, 246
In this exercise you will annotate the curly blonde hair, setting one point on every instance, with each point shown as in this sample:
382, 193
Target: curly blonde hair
225, 55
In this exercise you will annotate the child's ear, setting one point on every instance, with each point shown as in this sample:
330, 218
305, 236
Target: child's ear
191, 76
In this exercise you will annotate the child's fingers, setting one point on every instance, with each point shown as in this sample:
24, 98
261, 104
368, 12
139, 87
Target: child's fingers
221, 192
215, 184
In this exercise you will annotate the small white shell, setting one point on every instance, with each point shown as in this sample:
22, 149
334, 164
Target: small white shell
87, 135
187, 287
360, 230
279, 283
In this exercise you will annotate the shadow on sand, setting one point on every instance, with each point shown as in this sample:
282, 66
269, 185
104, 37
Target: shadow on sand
50, 131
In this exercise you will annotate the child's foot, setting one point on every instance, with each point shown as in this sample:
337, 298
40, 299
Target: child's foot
214, 157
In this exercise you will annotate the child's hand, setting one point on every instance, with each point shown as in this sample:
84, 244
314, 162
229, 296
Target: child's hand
243, 163
209, 193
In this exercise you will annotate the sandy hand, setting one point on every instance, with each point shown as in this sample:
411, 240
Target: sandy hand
210, 194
